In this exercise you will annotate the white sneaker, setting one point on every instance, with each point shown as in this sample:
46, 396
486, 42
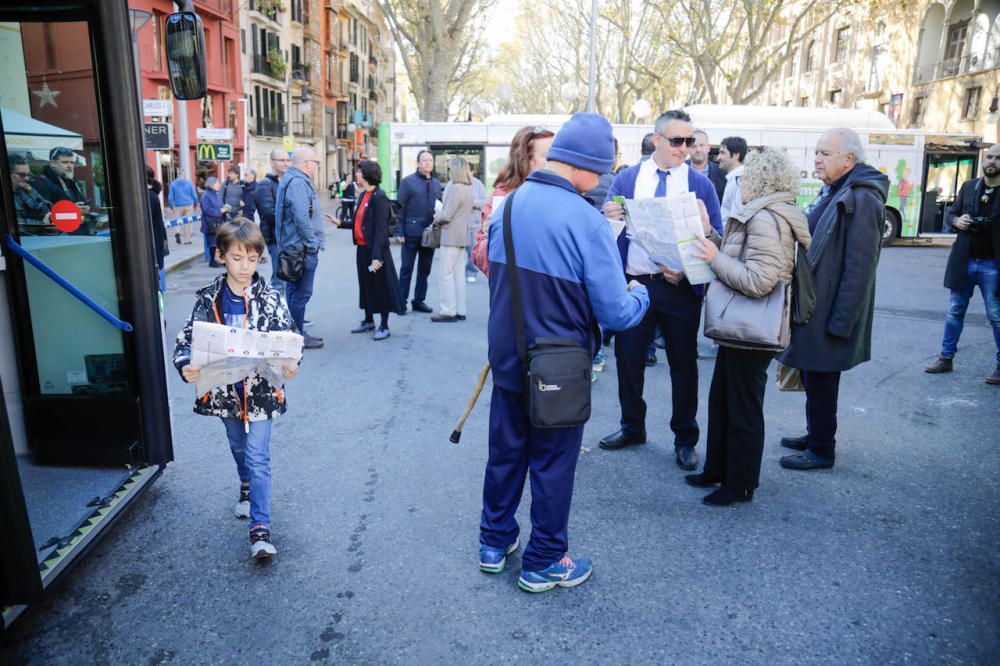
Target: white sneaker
260, 543
242, 508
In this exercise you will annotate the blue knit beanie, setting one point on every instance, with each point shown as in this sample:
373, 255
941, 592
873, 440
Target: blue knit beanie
585, 142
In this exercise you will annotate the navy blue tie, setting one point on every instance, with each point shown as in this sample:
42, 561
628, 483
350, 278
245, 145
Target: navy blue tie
661, 187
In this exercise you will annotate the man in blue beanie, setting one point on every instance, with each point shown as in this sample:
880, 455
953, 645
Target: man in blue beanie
570, 273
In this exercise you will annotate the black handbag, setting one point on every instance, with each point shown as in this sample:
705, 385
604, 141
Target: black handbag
803, 288
291, 265
557, 377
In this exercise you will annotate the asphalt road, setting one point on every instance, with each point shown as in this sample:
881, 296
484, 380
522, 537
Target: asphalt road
890, 557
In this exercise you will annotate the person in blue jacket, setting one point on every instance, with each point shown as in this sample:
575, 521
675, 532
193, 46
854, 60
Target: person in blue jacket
211, 218
675, 304
570, 274
416, 196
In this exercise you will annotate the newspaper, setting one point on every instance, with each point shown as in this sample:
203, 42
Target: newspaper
228, 355
665, 228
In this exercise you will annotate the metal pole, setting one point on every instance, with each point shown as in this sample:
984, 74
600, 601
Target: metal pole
591, 83
184, 140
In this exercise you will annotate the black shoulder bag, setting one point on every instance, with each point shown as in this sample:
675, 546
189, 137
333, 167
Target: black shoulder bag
291, 263
557, 378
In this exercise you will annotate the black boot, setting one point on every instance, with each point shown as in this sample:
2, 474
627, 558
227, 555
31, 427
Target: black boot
995, 377
941, 365
725, 496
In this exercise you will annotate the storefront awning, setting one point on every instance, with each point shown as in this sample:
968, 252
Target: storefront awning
26, 135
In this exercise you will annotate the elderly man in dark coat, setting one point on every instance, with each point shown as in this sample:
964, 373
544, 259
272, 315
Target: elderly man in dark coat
845, 221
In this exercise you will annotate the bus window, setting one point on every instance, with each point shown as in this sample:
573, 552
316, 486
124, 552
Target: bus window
945, 175
73, 362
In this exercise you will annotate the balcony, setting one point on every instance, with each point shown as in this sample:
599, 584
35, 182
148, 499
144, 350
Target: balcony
269, 127
266, 9
302, 128
955, 66
261, 65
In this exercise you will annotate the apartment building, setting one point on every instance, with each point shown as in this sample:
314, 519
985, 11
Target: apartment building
358, 82
280, 43
933, 66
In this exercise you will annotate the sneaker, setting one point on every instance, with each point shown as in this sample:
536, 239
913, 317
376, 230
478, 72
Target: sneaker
260, 543
564, 573
995, 377
381, 334
598, 363
242, 508
493, 560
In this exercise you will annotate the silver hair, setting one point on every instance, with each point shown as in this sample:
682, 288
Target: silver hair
850, 142
278, 152
766, 172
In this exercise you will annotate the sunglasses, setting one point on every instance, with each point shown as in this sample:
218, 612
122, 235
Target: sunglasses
678, 141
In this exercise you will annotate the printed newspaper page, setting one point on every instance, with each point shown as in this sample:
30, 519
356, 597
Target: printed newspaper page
687, 227
228, 355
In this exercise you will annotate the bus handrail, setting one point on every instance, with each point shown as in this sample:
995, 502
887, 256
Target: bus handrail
68, 286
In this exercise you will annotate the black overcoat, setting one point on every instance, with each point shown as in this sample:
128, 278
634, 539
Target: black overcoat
379, 290
844, 257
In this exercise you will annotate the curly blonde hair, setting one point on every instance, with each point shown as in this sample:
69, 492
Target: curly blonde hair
768, 171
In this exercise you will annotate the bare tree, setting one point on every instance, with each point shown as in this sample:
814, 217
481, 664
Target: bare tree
440, 41
736, 47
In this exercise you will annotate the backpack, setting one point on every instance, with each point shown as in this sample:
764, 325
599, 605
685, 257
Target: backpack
394, 208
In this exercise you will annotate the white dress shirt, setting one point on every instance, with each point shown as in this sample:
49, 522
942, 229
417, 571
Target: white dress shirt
646, 181
732, 199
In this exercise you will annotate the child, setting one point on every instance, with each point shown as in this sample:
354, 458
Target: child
241, 297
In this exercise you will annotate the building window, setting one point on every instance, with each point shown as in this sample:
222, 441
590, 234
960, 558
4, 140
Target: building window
843, 40
810, 56
836, 96
228, 61
157, 41
957, 32
917, 111
243, 41
970, 108
296, 57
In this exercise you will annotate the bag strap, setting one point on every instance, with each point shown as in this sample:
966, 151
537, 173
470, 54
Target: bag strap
746, 233
514, 280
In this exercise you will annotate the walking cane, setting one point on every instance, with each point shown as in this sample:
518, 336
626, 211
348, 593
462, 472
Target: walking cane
456, 434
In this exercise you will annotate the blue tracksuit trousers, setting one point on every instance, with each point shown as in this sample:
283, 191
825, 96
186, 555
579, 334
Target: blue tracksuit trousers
549, 455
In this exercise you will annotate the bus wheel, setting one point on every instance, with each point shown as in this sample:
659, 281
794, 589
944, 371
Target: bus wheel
893, 225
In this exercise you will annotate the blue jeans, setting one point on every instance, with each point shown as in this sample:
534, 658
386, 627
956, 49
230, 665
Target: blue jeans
272, 252
299, 293
981, 272
252, 453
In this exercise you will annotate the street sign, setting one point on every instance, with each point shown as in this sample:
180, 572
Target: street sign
214, 133
288, 143
157, 107
215, 152
159, 136
66, 216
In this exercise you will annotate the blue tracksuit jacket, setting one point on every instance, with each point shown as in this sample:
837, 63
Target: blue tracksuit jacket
570, 273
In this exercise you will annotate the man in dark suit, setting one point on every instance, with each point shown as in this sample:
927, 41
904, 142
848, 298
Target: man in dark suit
845, 222
975, 216
675, 305
699, 162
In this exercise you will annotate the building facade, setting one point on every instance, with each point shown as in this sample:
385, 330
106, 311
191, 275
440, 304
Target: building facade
932, 65
221, 107
358, 81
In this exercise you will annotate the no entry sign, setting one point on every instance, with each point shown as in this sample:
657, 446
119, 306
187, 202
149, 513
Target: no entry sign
66, 216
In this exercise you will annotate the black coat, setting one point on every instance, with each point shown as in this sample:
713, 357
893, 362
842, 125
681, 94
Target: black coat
378, 291
264, 196
717, 176
250, 199
159, 231
844, 256
50, 185
967, 203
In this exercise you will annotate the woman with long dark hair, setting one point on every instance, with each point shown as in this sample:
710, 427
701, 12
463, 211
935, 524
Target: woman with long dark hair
527, 154
378, 283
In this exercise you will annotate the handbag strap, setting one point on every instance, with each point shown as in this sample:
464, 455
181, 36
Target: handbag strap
514, 280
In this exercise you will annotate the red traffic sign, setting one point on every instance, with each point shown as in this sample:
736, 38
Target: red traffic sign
66, 216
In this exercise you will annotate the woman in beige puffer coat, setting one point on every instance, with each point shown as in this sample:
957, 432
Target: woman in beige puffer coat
771, 224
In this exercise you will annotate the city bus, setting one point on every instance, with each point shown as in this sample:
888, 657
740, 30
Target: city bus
925, 170
84, 421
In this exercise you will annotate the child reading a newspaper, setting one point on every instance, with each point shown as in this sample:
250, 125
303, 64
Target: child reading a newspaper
240, 298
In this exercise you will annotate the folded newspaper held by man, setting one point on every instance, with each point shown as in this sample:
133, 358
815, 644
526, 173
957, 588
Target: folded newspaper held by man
665, 228
228, 355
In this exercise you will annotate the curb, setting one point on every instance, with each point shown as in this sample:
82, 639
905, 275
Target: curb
181, 263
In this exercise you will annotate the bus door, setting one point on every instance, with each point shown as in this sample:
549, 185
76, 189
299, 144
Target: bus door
471, 153
84, 422
944, 173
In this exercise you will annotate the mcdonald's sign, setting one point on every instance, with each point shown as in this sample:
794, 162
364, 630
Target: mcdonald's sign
215, 152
